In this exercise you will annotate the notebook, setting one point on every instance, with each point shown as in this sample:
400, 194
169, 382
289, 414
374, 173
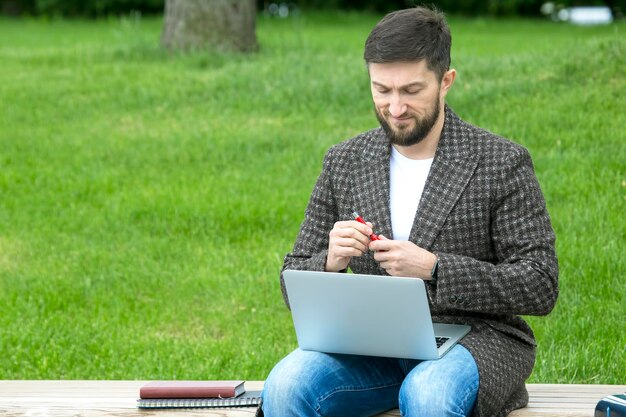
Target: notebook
247, 399
369, 315
192, 389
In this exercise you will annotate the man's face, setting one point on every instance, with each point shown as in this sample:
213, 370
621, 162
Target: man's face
407, 98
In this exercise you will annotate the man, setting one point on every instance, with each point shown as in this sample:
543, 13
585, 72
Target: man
458, 207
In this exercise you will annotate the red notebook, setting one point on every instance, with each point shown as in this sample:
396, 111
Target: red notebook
192, 389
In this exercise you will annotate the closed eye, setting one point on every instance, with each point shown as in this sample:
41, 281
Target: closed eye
381, 89
413, 91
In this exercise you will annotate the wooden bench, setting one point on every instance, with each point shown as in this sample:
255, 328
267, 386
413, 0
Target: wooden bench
117, 398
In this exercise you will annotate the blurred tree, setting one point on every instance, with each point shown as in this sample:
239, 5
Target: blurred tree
216, 24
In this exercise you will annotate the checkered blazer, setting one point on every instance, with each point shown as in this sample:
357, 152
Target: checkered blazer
482, 212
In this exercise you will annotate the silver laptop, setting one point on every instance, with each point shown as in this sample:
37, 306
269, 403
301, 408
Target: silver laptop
366, 315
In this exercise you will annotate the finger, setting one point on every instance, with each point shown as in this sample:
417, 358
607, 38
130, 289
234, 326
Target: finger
353, 224
345, 251
385, 267
353, 238
383, 244
382, 256
350, 243
350, 233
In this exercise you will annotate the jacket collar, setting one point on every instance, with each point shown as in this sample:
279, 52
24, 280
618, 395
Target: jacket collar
454, 163
454, 144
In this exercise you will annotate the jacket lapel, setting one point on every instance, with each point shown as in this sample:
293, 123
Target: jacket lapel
371, 179
452, 168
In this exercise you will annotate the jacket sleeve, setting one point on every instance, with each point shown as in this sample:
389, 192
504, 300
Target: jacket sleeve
524, 280
311, 247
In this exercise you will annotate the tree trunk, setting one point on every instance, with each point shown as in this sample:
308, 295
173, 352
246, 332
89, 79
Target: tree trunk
223, 25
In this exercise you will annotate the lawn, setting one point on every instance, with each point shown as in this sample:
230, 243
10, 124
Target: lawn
147, 199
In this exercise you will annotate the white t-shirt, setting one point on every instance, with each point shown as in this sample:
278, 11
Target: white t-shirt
407, 180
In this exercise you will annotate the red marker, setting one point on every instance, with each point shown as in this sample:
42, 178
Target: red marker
359, 219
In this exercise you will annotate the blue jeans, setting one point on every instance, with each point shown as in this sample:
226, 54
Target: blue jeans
318, 384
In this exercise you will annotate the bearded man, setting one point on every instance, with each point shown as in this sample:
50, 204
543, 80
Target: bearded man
457, 207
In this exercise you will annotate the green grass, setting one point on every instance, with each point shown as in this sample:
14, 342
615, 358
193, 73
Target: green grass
147, 199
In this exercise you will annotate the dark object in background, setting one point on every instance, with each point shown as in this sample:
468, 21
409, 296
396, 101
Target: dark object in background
611, 406
80, 8
104, 8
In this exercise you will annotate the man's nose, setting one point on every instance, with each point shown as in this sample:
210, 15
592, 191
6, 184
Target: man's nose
396, 106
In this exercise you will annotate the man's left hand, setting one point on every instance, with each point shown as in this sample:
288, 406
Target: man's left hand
402, 258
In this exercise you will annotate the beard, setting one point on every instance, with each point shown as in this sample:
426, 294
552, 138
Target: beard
405, 136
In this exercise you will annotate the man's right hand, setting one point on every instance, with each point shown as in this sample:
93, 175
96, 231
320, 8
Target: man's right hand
347, 239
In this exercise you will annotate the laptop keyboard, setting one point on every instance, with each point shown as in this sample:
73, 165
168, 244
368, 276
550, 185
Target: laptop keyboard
440, 341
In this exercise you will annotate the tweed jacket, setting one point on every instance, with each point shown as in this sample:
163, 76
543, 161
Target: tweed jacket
483, 214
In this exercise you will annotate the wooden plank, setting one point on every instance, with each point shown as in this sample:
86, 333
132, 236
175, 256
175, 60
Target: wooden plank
93, 399
566, 400
118, 398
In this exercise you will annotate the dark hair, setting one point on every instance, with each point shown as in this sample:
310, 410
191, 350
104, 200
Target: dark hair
411, 35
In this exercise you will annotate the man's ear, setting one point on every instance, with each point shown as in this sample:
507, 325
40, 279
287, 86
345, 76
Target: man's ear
447, 81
